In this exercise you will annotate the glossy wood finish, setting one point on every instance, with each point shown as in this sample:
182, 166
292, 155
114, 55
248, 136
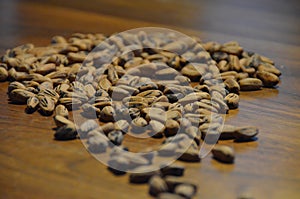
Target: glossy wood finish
33, 165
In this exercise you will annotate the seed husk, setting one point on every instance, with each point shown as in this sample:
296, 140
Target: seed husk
223, 154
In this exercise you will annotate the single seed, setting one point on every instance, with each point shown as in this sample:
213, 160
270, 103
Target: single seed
107, 114
185, 190
247, 133
97, 143
20, 96
61, 121
232, 100
32, 104
47, 105
172, 170
157, 185
116, 137
67, 132
250, 84
223, 153
172, 128
268, 79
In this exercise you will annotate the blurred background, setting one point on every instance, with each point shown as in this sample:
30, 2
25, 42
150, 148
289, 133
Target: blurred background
37, 20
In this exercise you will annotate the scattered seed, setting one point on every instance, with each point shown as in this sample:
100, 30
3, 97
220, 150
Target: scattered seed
223, 153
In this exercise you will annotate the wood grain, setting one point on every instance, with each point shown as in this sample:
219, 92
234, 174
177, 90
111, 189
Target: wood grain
33, 165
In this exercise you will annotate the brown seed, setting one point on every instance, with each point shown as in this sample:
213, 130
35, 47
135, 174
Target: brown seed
32, 104
20, 96
227, 132
3, 74
97, 143
47, 105
240, 76
107, 114
156, 129
172, 127
138, 125
172, 170
157, 185
268, 79
232, 86
62, 111
118, 165
118, 93
87, 126
104, 83
235, 50
250, 84
76, 57
150, 93
130, 89
246, 133
15, 85
234, 63
107, 127
269, 68
67, 132
144, 175
194, 73
45, 69
116, 137
122, 125
168, 149
190, 155
223, 153
185, 190
112, 74
61, 121
232, 100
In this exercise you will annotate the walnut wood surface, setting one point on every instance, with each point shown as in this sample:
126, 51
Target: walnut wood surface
33, 165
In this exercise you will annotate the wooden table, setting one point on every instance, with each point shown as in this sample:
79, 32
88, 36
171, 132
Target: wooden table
33, 165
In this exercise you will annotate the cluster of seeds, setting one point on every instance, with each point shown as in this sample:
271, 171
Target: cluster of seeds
140, 85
